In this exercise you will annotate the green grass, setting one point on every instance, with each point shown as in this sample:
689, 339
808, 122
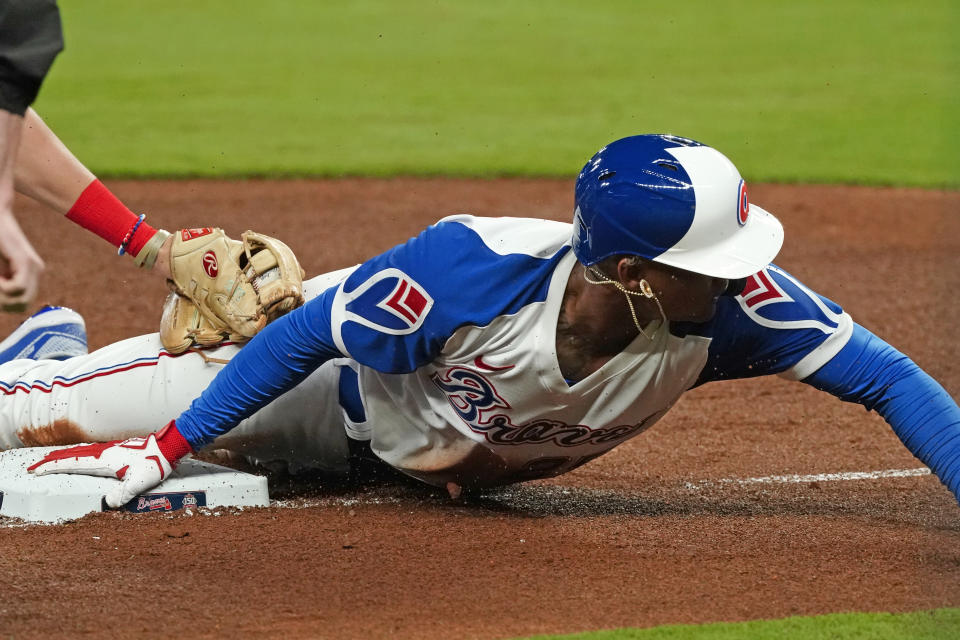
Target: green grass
939, 624
847, 91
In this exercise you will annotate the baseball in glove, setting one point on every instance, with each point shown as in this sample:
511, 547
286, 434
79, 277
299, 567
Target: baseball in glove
225, 289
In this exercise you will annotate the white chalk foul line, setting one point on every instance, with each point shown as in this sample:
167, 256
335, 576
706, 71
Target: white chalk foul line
819, 477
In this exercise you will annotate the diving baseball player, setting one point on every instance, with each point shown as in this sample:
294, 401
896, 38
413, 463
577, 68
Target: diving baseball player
486, 351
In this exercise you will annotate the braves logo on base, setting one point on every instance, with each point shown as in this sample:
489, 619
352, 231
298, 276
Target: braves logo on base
153, 504
163, 502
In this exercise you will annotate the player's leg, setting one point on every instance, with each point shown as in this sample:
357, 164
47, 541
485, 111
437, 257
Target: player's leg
134, 387
126, 389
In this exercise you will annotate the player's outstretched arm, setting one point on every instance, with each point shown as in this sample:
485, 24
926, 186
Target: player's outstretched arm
922, 414
270, 283
289, 349
276, 360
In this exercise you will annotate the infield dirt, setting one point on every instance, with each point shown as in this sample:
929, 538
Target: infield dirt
631, 539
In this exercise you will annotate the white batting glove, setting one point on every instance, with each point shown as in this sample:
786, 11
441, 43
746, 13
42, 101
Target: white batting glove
140, 464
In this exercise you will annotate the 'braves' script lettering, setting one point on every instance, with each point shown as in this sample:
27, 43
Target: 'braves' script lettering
152, 504
473, 397
501, 431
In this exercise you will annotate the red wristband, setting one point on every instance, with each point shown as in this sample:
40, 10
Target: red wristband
172, 444
100, 211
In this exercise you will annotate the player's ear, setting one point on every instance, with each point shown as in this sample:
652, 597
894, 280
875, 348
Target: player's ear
631, 272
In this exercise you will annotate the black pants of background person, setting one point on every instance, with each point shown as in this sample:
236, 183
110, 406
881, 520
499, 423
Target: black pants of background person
30, 38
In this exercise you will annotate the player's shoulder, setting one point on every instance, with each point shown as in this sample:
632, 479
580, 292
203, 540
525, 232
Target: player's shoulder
474, 262
462, 252
396, 310
776, 324
775, 299
533, 237
771, 299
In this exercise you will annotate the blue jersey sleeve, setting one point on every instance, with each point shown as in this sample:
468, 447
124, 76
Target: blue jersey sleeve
275, 361
394, 313
775, 326
922, 414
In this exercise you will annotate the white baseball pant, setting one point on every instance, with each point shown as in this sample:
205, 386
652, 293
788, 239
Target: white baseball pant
134, 386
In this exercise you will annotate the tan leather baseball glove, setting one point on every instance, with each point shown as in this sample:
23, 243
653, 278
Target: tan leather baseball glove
225, 289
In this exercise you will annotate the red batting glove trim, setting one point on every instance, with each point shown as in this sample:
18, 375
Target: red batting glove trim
100, 211
82, 451
172, 445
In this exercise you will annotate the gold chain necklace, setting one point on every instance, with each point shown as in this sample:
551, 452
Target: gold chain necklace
646, 291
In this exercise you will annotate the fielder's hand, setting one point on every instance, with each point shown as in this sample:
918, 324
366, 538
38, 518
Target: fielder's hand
20, 266
139, 463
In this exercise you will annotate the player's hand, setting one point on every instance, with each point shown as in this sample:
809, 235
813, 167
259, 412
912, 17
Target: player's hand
20, 267
140, 464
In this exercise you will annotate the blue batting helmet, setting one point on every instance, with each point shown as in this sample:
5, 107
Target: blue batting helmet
673, 201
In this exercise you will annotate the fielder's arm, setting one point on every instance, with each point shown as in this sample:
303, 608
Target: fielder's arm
48, 172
